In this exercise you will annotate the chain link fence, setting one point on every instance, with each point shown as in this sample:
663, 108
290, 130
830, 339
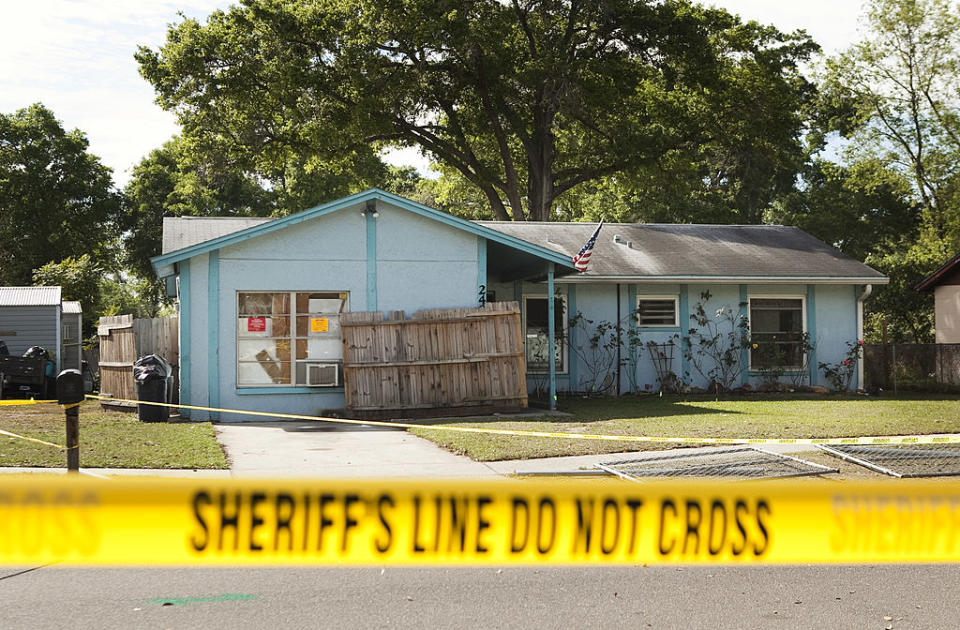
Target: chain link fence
737, 462
902, 460
912, 367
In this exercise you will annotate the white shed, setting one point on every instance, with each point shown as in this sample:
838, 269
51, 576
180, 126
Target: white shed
36, 316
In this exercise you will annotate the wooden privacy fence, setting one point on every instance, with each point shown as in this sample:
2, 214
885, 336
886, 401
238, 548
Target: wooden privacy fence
448, 360
123, 339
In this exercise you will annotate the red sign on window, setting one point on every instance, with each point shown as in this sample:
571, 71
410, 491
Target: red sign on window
256, 324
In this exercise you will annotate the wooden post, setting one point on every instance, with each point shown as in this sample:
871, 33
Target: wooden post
72, 413
70, 395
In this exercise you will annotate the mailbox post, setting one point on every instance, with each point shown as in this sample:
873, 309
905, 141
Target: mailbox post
70, 395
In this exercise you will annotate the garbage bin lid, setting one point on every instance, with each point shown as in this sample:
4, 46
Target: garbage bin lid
150, 367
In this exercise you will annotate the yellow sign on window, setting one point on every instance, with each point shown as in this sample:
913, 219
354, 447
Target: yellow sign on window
319, 324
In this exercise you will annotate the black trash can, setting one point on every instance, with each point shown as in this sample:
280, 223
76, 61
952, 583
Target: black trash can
151, 374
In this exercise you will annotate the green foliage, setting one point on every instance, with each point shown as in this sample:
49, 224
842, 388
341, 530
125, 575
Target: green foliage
179, 179
100, 291
56, 200
896, 96
897, 312
856, 208
770, 361
840, 374
607, 348
661, 354
715, 343
525, 101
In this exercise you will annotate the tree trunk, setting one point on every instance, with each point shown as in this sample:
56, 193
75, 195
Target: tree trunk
540, 190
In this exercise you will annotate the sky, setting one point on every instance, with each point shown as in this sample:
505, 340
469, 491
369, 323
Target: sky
76, 57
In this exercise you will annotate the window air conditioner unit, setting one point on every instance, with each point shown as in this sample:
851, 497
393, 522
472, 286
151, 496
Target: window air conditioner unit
323, 374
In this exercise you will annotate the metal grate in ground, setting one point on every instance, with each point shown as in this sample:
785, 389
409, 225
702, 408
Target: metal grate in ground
738, 462
901, 460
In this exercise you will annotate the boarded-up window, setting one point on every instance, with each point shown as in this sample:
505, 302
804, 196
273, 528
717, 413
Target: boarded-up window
280, 333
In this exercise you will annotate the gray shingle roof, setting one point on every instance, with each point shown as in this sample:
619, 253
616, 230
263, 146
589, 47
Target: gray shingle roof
180, 232
645, 250
690, 251
29, 296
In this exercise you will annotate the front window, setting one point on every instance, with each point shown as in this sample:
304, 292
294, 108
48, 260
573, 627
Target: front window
536, 336
776, 333
280, 335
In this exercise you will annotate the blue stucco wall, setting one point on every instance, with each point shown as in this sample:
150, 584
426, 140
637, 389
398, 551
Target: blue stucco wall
419, 264
832, 323
402, 261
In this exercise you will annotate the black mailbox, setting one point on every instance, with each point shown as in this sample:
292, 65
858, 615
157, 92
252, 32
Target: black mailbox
69, 387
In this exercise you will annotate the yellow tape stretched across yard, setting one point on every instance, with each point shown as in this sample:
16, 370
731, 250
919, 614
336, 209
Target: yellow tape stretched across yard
938, 438
30, 439
19, 401
271, 522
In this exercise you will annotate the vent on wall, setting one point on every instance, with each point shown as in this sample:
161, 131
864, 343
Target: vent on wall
323, 374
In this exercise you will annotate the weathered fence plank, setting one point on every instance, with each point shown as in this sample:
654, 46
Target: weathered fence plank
123, 339
452, 360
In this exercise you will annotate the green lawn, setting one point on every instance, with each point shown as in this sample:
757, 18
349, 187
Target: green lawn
107, 440
703, 416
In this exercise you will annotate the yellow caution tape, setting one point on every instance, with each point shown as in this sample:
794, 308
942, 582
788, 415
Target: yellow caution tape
503, 522
31, 401
30, 439
938, 438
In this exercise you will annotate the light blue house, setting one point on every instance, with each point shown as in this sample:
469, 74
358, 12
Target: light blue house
260, 299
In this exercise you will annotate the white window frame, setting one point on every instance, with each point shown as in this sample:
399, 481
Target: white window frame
676, 311
564, 347
775, 296
292, 338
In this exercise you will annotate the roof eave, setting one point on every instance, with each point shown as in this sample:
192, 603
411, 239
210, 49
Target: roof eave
933, 280
688, 279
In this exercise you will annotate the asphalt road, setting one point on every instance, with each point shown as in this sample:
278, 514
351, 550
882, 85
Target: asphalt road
635, 597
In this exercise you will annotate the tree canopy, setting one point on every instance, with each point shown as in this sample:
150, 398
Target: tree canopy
56, 199
895, 96
525, 100
176, 180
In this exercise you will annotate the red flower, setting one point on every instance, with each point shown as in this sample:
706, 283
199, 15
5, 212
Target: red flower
846, 361
860, 342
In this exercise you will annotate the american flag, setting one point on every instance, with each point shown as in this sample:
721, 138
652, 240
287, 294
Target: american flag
582, 259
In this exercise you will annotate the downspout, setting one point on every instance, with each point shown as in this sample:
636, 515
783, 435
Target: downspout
867, 290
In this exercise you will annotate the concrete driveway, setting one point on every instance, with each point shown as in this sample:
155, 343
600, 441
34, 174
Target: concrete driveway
304, 449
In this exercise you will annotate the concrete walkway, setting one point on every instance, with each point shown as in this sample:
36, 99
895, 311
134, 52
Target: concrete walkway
303, 449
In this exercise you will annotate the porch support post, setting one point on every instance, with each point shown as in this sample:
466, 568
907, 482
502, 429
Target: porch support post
551, 338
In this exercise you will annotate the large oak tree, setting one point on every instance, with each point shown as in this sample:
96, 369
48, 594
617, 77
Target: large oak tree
524, 99
56, 199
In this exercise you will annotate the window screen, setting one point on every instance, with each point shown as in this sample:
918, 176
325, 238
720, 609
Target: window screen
776, 329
